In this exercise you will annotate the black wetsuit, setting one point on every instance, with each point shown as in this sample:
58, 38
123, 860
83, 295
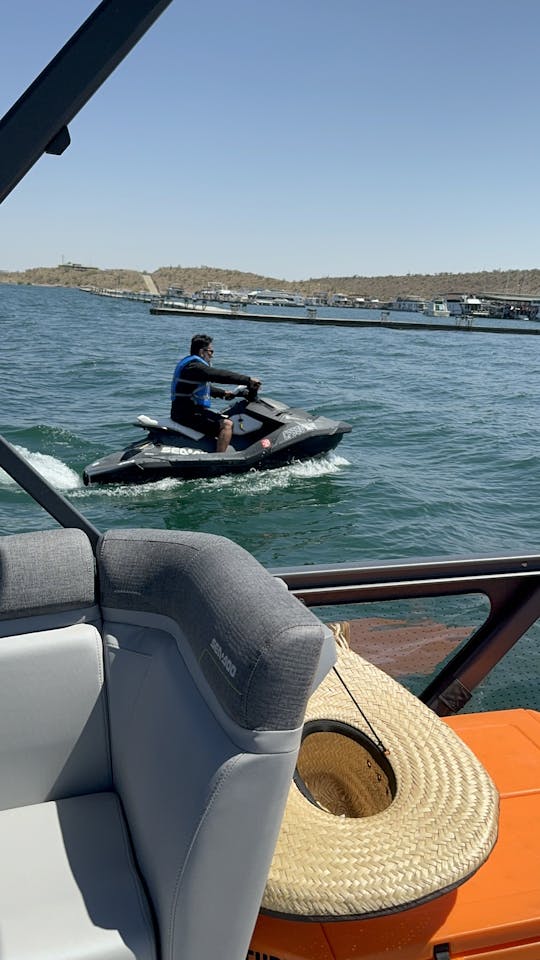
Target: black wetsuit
185, 408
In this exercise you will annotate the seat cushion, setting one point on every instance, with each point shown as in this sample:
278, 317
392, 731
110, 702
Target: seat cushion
53, 724
69, 889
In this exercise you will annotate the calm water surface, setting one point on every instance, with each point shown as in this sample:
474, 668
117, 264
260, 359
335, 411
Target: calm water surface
443, 458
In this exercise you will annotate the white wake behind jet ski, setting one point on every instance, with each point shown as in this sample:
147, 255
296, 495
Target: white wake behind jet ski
266, 434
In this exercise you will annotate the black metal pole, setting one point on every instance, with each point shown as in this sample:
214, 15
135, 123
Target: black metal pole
42, 492
37, 122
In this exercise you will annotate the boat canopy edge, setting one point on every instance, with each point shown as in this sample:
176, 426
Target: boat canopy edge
37, 122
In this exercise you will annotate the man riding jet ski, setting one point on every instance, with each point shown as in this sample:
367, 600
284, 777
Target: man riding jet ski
191, 391
254, 433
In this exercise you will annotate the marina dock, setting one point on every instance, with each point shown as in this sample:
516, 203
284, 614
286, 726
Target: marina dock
460, 324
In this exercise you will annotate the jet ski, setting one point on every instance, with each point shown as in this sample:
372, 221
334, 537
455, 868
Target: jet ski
266, 434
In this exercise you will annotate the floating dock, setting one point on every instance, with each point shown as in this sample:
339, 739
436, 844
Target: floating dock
459, 325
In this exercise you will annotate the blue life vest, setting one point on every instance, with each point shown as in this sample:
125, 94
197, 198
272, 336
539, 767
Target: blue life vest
201, 393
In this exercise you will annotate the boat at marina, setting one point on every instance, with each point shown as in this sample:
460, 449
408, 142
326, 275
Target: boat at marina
185, 308
195, 763
190, 306
437, 307
266, 434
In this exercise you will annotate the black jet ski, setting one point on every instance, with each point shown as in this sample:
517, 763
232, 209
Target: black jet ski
266, 434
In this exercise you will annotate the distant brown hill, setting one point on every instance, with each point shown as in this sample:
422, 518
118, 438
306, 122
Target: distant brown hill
190, 279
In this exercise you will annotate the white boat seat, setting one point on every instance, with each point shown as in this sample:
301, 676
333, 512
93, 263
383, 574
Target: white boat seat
148, 739
149, 423
72, 888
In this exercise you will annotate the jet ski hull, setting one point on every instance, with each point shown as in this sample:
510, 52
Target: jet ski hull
286, 436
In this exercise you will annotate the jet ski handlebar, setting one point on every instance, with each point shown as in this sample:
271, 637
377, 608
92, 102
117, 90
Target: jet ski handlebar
250, 392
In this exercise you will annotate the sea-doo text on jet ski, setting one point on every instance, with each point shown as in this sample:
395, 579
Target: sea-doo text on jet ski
266, 434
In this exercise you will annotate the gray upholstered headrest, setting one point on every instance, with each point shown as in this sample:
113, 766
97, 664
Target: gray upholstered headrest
257, 646
45, 572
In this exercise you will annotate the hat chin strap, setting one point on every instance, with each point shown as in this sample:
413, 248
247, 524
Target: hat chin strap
341, 641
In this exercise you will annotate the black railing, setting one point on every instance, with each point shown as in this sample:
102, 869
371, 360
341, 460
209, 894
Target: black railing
511, 584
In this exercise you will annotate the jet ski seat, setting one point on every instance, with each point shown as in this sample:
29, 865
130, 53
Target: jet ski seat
149, 731
171, 426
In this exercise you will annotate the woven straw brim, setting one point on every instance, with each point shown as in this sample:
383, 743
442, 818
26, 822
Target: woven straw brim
436, 830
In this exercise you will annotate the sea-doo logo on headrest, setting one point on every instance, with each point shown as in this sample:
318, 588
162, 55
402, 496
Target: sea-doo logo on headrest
225, 661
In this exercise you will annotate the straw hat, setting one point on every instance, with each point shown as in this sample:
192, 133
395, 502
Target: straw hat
388, 808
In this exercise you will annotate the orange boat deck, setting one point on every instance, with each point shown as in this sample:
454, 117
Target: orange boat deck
495, 915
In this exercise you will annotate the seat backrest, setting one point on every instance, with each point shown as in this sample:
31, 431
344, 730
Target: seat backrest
53, 723
209, 666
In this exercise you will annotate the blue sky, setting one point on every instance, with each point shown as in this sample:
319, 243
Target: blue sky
293, 138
